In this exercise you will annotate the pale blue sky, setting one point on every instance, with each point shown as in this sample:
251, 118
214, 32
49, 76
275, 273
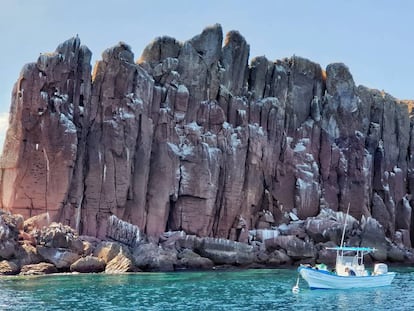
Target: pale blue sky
374, 38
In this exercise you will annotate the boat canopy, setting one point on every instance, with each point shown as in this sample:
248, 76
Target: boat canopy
350, 248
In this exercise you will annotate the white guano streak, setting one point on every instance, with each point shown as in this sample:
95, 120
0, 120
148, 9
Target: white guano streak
47, 175
78, 214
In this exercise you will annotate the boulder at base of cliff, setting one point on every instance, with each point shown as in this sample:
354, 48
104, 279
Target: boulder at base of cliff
402, 238
295, 247
226, 252
294, 228
121, 263
323, 230
278, 258
61, 258
373, 235
107, 250
188, 241
58, 235
151, 257
88, 264
261, 256
189, 260
172, 239
38, 269
325, 255
60, 245
89, 244
117, 257
8, 268
9, 231
7, 249
409, 257
27, 238
262, 235
395, 254
13, 221
36, 222
27, 254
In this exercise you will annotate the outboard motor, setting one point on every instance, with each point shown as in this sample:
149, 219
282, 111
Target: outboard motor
380, 268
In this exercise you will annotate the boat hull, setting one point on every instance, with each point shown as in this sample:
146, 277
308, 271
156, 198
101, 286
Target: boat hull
319, 279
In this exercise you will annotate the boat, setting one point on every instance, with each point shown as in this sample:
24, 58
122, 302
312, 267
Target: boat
349, 270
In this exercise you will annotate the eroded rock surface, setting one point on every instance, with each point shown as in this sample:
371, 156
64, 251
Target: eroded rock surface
88, 264
38, 269
57, 248
193, 138
8, 268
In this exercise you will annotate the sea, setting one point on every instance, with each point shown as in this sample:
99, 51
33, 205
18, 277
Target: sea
262, 289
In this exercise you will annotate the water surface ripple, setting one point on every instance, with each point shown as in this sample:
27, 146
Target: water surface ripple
218, 290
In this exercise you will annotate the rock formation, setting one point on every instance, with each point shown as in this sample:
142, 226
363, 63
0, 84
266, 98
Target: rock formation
57, 248
192, 138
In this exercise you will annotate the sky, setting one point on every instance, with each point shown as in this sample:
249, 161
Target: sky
374, 38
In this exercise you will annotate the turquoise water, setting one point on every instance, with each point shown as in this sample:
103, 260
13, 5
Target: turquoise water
218, 290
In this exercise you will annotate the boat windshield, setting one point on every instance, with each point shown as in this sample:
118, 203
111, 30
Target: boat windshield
347, 260
345, 265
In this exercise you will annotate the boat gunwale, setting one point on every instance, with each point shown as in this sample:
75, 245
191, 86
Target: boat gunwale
314, 278
344, 276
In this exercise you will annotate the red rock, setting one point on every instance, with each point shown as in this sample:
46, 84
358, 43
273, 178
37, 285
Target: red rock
59, 257
192, 261
38, 269
26, 237
27, 254
88, 264
8, 268
108, 250
37, 222
48, 102
151, 257
121, 263
191, 138
278, 257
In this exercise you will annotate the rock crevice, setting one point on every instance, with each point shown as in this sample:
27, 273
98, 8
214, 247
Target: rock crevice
193, 138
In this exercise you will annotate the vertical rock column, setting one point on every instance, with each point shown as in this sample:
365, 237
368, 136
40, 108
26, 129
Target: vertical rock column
121, 101
47, 117
344, 160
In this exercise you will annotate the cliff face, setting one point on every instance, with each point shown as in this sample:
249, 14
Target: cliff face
193, 138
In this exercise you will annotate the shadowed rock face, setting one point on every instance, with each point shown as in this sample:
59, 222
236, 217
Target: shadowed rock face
192, 138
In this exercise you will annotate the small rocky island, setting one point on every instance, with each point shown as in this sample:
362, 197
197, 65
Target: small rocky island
192, 158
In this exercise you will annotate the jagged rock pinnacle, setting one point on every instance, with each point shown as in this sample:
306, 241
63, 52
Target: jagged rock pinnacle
190, 137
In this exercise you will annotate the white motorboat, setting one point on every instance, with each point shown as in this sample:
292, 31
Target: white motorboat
349, 270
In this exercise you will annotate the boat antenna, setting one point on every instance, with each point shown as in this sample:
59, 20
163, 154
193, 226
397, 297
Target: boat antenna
343, 232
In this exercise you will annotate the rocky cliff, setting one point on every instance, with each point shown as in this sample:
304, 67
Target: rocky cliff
192, 137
